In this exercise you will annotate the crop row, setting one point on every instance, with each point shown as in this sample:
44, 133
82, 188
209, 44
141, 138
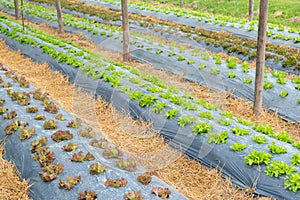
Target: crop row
113, 31
229, 42
114, 74
274, 31
48, 119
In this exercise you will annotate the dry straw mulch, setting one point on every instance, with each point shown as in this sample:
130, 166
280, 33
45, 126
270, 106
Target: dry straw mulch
12, 187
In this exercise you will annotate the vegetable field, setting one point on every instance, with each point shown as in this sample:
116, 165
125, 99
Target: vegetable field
68, 152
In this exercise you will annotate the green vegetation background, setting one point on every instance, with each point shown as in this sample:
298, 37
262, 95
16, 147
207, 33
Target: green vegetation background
284, 12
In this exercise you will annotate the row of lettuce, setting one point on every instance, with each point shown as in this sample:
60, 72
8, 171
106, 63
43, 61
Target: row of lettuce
173, 49
150, 91
242, 47
18, 94
274, 31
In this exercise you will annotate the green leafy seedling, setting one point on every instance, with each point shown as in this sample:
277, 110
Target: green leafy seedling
238, 146
258, 157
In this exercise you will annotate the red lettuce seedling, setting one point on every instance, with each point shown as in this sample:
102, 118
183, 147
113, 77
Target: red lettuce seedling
51, 108
96, 168
60, 117
19, 95
127, 164
32, 109
23, 83
36, 144
26, 133
13, 127
87, 133
24, 102
2, 110
72, 124
9, 91
50, 125
144, 178
44, 156
10, 115
61, 135
87, 195
111, 152
51, 171
39, 117
102, 143
78, 157
2, 101
70, 183
70, 147
119, 182
163, 193
133, 196
6, 85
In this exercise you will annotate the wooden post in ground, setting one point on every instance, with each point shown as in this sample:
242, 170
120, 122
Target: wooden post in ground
260, 59
125, 27
22, 13
181, 3
251, 6
16, 3
59, 17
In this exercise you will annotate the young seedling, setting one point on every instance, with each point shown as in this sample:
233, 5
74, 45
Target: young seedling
78, 157
126, 164
276, 149
257, 158
70, 183
39, 117
218, 138
200, 128
117, 183
87, 195
32, 109
70, 147
96, 168
259, 139
102, 143
283, 93
277, 168
51, 108
87, 133
60, 117
36, 144
145, 178
50, 125
163, 193
238, 146
111, 152
26, 133
133, 196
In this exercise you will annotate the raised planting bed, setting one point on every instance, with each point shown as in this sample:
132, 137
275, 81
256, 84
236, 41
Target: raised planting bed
197, 65
277, 34
280, 56
59, 163
189, 124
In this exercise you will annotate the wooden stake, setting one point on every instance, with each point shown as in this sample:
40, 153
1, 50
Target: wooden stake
125, 26
59, 17
251, 5
16, 3
22, 13
260, 60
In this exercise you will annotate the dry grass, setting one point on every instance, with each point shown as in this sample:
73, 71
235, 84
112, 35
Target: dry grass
11, 186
